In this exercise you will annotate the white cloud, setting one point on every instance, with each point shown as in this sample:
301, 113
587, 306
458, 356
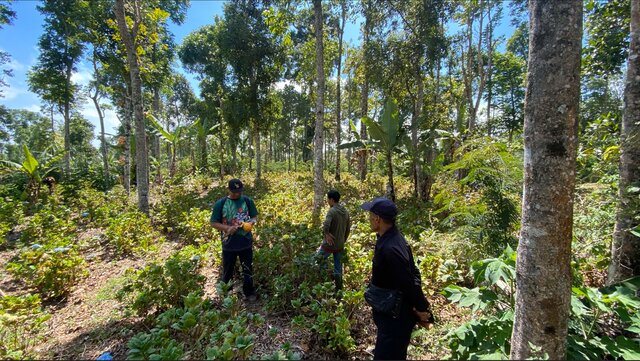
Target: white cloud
83, 76
15, 65
281, 84
12, 92
34, 108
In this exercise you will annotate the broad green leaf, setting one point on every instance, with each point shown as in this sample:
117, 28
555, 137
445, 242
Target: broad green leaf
168, 136
355, 144
354, 130
30, 164
376, 132
390, 122
577, 307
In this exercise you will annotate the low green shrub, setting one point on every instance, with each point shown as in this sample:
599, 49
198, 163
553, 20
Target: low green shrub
199, 329
158, 287
21, 319
131, 233
593, 311
52, 269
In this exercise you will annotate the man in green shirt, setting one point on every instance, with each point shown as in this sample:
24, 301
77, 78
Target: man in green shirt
235, 215
335, 230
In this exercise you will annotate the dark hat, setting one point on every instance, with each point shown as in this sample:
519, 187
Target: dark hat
236, 186
382, 207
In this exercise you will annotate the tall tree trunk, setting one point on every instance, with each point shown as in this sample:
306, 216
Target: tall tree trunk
258, 153
156, 138
95, 97
364, 99
67, 121
625, 250
417, 169
489, 71
391, 192
142, 157
318, 139
543, 270
127, 143
338, 90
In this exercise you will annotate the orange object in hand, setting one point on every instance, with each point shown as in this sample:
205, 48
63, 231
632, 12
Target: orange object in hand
247, 227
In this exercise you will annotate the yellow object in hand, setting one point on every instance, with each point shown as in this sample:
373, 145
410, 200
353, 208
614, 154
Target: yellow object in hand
247, 227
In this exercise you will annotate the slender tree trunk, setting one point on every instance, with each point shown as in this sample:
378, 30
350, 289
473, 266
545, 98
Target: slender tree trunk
142, 157
127, 144
481, 73
489, 71
543, 270
391, 191
156, 138
364, 99
417, 169
67, 121
318, 139
625, 250
258, 154
96, 102
338, 90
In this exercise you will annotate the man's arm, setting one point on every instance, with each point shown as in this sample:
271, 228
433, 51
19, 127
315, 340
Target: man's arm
326, 227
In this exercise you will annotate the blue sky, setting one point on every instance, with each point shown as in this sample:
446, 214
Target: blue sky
20, 40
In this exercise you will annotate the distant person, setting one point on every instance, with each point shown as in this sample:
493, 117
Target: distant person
235, 215
395, 292
335, 231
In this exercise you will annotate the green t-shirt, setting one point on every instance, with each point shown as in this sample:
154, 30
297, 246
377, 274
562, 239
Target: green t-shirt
232, 212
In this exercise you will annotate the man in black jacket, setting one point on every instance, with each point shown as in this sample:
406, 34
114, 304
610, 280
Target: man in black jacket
395, 269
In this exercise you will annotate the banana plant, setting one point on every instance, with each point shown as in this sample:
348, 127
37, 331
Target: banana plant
387, 136
33, 170
171, 138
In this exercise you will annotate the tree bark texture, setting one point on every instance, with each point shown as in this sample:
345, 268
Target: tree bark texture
142, 157
338, 90
364, 100
625, 249
543, 271
318, 139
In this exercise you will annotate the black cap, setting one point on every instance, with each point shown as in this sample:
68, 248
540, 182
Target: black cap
236, 186
382, 207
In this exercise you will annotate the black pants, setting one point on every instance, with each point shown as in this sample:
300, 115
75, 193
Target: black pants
246, 261
393, 334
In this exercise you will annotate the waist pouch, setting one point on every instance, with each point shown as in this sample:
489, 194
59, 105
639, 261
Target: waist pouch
383, 300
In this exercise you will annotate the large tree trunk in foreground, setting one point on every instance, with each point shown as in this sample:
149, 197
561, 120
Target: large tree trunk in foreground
318, 139
543, 272
142, 158
625, 250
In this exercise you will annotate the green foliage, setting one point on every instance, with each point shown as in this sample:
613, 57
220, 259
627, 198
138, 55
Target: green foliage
21, 319
11, 214
323, 306
484, 202
52, 269
200, 330
159, 287
130, 233
50, 223
593, 313
174, 204
196, 227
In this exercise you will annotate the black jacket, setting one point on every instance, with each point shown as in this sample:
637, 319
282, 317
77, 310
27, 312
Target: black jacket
394, 268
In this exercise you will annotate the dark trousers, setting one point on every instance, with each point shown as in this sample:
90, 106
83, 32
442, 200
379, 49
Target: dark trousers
393, 335
246, 261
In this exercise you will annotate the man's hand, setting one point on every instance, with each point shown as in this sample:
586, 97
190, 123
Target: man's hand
425, 319
232, 229
329, 238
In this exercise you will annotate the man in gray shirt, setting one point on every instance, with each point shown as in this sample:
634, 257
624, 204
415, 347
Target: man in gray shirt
335, 229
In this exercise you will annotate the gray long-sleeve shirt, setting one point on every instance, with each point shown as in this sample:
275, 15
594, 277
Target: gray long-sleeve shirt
338, 224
